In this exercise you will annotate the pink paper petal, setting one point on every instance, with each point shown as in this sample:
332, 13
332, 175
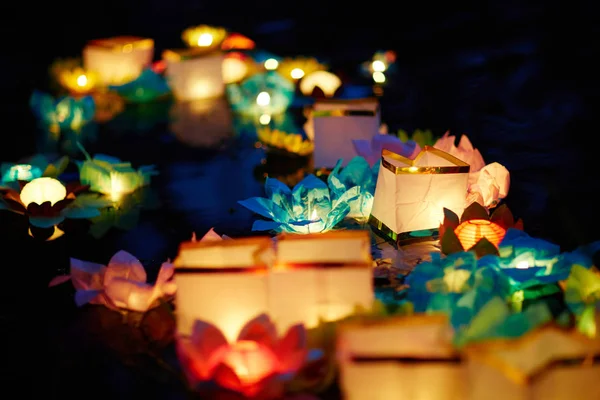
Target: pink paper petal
363, 149
260, 330
86, 275
57, 280
194, 369
291, 349
126, 266
165, 273
226, 377
206, 339
211, 235
83, 297
129, 295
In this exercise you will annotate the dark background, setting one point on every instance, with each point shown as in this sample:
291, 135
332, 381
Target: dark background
519, 79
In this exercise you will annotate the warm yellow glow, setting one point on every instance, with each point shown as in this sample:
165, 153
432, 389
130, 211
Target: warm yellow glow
41, 190
297, 73
413, 169
82, 80
56, 233
292, 142
234, 69
117, 187
205, 40
295, 68
378, 77
472, 231
264, 119
324, 80
455, 280
378, 66
271, 64
263, 99
204, 36
524, 264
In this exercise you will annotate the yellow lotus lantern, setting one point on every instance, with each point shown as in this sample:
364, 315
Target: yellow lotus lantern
72, 76
295, 69
204, 36
42, 190
325, 81
290, 142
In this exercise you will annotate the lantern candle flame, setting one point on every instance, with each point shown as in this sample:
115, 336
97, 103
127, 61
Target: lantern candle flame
41, 190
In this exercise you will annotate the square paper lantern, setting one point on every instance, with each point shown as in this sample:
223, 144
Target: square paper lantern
411, 195
195, 73
337, 123
400, 358
222, 282
549, 363
203, 123
119, 59
320, 277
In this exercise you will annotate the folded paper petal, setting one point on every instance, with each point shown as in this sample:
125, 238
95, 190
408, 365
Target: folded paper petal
83, 297
259, 329
86, 275
206, 339
57, 280
291, 349
129, 295
126, 266
465, 150
492, 183
211, 235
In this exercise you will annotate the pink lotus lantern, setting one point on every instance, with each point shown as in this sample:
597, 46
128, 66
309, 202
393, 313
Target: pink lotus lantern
255, 365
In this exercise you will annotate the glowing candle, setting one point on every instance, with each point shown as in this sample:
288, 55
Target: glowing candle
250, 361
82, 80
297, 73
205, 40
379, 77
378, 66
271, 64
41, 190
263, 99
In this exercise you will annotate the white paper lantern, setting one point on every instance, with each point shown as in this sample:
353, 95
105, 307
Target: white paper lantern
411, 195
222, 282
119, 59
336, 123
195, 74
321, 277
400, 358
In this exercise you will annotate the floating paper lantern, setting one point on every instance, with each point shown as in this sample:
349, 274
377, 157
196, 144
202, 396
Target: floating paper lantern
237, 41
20, 172
336, 123
290, 142
472, 231
408, 357
204, 36
261, 94
70, 74
325, 81
202, 123
119, 59
321, 277
222, 282
235, 67
113, 177
297, 68
195, 73
42, 190
411, 195
63, 112
548, 363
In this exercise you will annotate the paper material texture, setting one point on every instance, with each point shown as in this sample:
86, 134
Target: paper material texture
411, 194
195, 78
337, 124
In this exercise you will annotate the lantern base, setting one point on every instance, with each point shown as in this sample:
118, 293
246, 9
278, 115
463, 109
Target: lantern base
404, 238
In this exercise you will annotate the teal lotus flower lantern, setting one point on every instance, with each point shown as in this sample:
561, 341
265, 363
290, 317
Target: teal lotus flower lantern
263, 94
147, 87
582, 297
112, 177
307, 208
357, 173
30, 169
62, 113
456, 286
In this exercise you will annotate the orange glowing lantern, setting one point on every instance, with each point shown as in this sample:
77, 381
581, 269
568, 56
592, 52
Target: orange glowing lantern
250, 361
472, 231
236, 41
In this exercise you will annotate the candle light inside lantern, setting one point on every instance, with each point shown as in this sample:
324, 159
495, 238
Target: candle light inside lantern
43, 190
205, 40
250, 361
117, 188
263, 99
378, 66
297, 73
271, 64
82, 80
264, 119
314, 227
378, 77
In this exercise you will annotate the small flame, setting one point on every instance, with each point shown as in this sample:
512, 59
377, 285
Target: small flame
522, 265
205, 40
82, 80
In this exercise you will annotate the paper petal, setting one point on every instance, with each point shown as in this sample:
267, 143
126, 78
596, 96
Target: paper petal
57, 280
291, 349
211, 235
130, 295
206, 339
126, 266
83, 297
259, 329
87, 275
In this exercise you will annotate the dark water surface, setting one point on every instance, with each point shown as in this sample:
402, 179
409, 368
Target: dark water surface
521, 91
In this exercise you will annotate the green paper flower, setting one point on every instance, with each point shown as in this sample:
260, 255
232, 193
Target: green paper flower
582, 297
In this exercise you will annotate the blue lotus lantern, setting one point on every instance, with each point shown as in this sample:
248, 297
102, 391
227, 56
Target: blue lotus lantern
147, 87
62, 113
357, 173
262, 94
